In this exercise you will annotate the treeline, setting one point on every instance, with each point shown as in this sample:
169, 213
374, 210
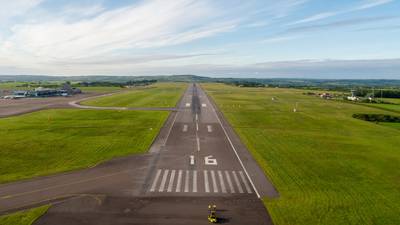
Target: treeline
377, 118
115, 84
384, 93
248, 84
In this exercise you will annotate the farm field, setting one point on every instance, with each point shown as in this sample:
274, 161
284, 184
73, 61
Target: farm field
23, 217
157, 95
51, 141
328, 167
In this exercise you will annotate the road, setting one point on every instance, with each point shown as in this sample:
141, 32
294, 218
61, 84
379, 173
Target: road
196, 160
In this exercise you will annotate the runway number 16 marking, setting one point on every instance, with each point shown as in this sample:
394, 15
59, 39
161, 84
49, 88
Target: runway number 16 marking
208, 160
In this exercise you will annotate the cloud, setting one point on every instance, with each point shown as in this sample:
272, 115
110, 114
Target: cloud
363, 6
147, 24
341, 23
10, 9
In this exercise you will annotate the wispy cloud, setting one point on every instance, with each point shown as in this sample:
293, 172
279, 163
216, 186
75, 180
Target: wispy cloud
362, 6
337, 24
10, 9
148, 24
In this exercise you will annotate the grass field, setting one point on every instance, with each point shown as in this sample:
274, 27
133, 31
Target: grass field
101, 89
24, 217
389, 107
328, 167
158, 95
51, 141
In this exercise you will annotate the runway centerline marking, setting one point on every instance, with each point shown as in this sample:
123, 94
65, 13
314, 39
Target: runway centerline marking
185, 128
179, 182
198, 143
163, 181
187, 104
209, 128
153, 186
203, 105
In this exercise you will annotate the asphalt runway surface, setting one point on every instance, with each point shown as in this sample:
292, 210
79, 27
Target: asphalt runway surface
196, 160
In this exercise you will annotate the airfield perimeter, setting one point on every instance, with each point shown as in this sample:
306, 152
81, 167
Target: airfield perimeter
196, 160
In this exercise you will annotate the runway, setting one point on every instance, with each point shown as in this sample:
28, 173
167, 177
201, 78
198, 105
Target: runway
196, 160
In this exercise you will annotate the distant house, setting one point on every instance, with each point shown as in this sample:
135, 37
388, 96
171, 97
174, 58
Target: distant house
325, 96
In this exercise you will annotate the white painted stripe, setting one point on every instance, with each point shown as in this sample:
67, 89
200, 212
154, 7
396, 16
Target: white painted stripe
197, 117
185, 128
221, 181
237, 155
187, 181
179, 182
248, 189
206, 184
215, 187
237, 182
203, 105
198, 143
228, 178
171, 181
163, 181
191, 160
209, 128
153, 186
194, 180
197, 126
187, 104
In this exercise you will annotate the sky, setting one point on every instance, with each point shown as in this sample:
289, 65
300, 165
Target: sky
221, 38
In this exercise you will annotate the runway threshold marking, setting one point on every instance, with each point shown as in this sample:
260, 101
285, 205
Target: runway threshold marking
228, 178
248, 189
153, 186
194, 180
215, 181
171, 181
187, 181
237, 182
206, 184
221, 181
179, 182
163, 181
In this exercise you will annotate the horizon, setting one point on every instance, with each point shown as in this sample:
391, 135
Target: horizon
293, 39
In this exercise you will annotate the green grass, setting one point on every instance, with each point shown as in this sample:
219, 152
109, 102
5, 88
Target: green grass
101, 89
392, 100
389, 107
158, 95
24, 217
52, 141
328, 167
393, 125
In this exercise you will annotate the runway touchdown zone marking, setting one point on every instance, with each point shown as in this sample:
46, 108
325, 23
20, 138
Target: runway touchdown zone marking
214, 181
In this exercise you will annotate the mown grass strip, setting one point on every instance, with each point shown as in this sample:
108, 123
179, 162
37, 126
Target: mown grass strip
328, 167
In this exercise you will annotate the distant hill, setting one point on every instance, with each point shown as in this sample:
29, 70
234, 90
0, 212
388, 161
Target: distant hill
273, 82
